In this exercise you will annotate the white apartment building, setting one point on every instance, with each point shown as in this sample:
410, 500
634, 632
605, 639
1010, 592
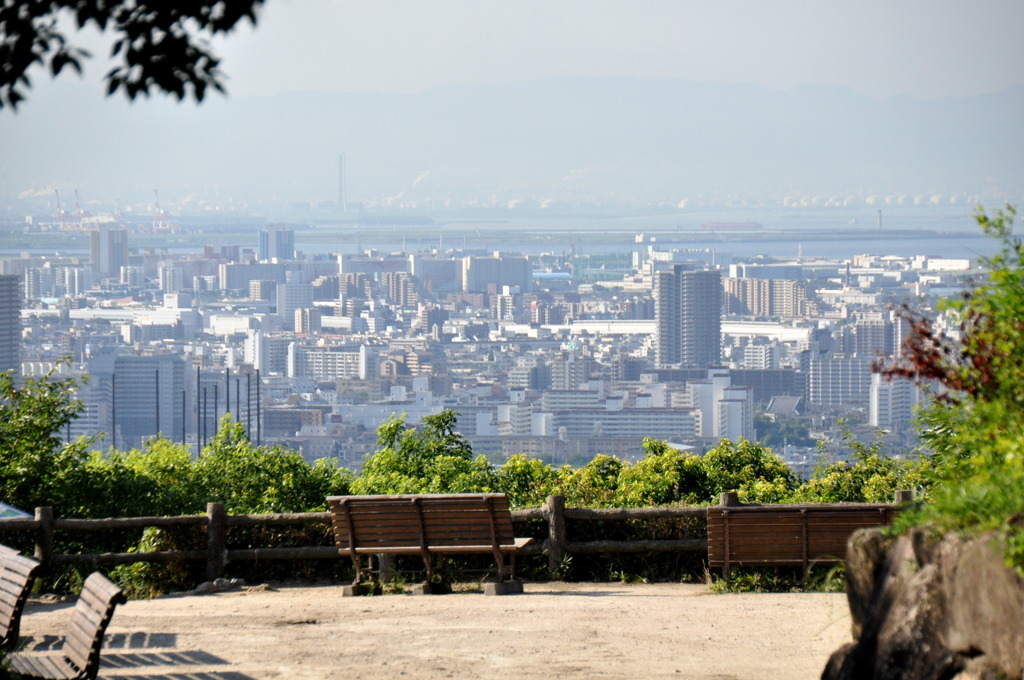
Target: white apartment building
839, 380
892, 403
727, 411
325, 364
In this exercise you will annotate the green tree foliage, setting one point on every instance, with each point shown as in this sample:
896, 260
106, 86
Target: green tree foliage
165, 478
36, 466
527, 481
258, 479
752, 470
433, 458
159, 479
663, 477
868, 476
593, 485
161, 46
976, 425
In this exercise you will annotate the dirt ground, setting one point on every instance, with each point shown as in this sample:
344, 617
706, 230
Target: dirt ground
552, 630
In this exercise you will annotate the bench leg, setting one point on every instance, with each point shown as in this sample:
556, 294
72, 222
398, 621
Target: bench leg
425, 588
359, 570
360, 589
503, 588
428, 563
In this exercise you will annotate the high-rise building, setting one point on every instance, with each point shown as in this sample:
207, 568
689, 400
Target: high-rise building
839, 380
873, 337
267, 352
489, 274
108, 249
727, 411
76, 281
331, 363
437, 273
10, 323
36, 283
290, 297
688, 317
308, 320
236, 276
276, 244
892, 403
140, 396
767, 297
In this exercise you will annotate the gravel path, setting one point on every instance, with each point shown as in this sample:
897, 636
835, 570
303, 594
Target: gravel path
553, 630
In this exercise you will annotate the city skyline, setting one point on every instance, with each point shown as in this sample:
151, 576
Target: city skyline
551, 355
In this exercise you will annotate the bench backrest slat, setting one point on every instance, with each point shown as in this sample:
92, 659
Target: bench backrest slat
796, 534
367, 522
16, 575
89, 621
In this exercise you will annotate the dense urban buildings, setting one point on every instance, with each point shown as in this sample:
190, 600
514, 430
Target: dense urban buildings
541, 354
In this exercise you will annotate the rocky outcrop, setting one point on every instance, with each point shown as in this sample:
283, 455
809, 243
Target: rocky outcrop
927, 610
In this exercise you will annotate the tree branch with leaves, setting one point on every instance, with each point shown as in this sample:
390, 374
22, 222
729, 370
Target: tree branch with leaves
160, 46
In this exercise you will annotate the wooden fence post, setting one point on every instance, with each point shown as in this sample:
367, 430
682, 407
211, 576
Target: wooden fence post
729, 499
44, 536
555, 544
216, 540
903, 496
386, 567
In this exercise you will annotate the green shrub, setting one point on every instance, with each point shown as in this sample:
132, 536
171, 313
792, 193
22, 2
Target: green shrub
975, 427
526, 481
868, 477
665, 476
752, 470
431, 459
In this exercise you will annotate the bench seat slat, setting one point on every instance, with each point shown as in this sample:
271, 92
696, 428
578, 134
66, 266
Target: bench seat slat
386, 531
11, 584
79, 656
415, 550
49, 666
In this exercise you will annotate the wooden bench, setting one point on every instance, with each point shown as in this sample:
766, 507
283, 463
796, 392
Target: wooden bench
79, 658
17, 572
427, 525
787, 535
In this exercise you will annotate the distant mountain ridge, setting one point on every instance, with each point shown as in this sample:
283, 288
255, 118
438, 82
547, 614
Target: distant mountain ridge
563, 139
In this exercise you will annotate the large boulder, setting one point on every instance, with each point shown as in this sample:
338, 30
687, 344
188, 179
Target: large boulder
930, 610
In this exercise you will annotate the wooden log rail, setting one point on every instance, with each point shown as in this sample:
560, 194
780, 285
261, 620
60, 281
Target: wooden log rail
217, 554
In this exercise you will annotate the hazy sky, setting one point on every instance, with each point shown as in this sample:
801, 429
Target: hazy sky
67, 136
923, 48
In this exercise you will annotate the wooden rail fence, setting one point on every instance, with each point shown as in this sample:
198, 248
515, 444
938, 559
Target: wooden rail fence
217, 554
